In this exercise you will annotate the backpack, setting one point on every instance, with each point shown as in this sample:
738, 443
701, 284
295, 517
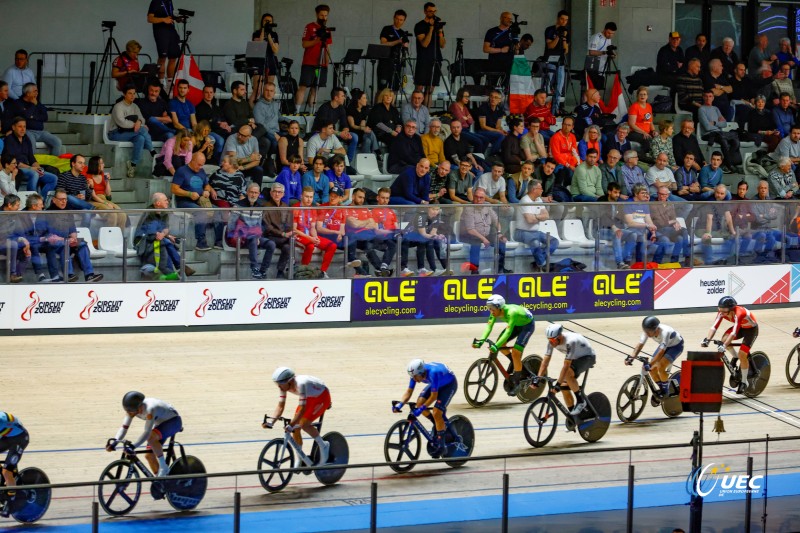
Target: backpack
662, 104
567, 265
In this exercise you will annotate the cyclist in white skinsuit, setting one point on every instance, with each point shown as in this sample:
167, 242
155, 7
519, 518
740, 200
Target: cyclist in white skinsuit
579, 357
670, 347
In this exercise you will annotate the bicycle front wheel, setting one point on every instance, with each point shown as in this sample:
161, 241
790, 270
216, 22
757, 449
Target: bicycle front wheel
793, 367
631, 399
402, 443
481, 382
275, 456
119, 499
541, 421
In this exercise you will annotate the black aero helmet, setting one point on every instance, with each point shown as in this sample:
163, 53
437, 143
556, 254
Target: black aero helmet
132, 401
727, 302
650, 322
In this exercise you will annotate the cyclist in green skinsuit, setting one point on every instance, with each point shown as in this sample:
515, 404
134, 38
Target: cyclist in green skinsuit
520, 326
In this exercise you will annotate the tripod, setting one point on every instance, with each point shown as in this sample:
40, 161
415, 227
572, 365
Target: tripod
96, 88
324, 55
436, 66
184, 49
458, 63
265, 71
399, 74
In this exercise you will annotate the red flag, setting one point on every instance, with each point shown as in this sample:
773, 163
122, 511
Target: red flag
616, 101
189, 71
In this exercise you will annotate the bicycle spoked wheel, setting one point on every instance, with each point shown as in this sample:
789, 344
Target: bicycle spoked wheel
402, 443
760, 362
463, 445
186, 494
31, 504
632, 399
120, 498
480, 383
671, 405
530, 368
275, 456
541, 420
793, 367
593, 429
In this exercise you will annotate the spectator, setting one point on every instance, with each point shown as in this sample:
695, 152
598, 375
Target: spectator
610, 170
339, 178
305, 233
553, 187
668, 228
154, 243
689, 88
384, 118
334, 112
716, 222
6, 112
716, 81
229, 184
182, 110
33, 227
782, 181
531, 211
782, 84
586, 183
204, 141
457, 147
278, 226
357, 115
766, 219
161, 15
619, 141
332, 225
591, 139
19, 146
13, 244
238, 113
175, 152
155, 112
324, 143
459, 184
414, 110
639, 221
244, 148
670, 60
632, 175
318, 180
438, 190
661, 175
533, 144
314, 70
432, 144
62, 236
191, 191
726, 55
406, 149
564, 147
588, 112
783, 115
100, 185
494, 184
786, 55
685, 142
699, 50
759, 57
517, 185
744, 92
461, 114
130, 127
8, 175
265, 32
611, 227
245, 227
480, 228
714, 125
385, 235
291, 144
430, 42
711, 176
412, 184
687, 181
490, 117
291, 180
640, 120
539, 109
35, 114
557, 39
209, 109
361, 230
511, 147
761, 125
422, 233
498, 44
789, 147
78, 190
18, 74
125, 64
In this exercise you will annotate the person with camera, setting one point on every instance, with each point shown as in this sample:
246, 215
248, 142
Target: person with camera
161, 14
270, 68
601, 47
556, 48
430, 41
499, 44
317, 38
390, 70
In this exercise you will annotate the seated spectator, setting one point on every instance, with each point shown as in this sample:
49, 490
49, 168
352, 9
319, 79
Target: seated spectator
726, 55
18, 74
35, 115
432, 145
181, 110
244, 148
632, 175
587, 180
716, 81
761, 125
8, 175
318, 180
245, 227
324, 143
6, 112
267, 114
13, 244
782, 181
785, 55
685, 142
155, 245
662, 143
715, 221
480, 228
639, 221
175, 152
357, 115
304, 229
517, 185
209, 109
203, 141
541, 110
79, 192
782, 84
511, 147
564, 147
459, 146
668, 229
611, 228
611, 169
34, 228
412, 185
714, 124
687, 180
191, 191
460, 111
534, 147
494, 184
743, 93
155, 111
640, 120
438, 190
229, 185
689, 88
339, 178
661, 175
459, 184
406, 149
422, 233
292, 181
711, 176
291, 144
699, 49
591, 139
126, 64
62, 236
130, 127
767, 218
385, 235
332, 224
531, 211
362, 230
238, 113
554, 188
783, 115
619, 141
415, 111
100, 184
588, 112
490, 117
384, 118
278, 226
789, 147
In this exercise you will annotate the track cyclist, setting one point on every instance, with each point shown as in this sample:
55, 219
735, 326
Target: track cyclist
13, 439
314, 400
520, 326
670, 347
796, 333
441, 386
744, 327
162, 421
579, 357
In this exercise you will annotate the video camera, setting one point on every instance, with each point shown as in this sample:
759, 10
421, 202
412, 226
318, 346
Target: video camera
324, 33
563, 33
515, 29
184, 15
269, 26
438, 24
611, 51
109, 24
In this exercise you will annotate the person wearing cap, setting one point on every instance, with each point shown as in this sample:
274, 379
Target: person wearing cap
670, 59
125, 64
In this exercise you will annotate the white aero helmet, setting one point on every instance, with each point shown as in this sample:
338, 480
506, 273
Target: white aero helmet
416, 367
282, 374
495, 300
554, 330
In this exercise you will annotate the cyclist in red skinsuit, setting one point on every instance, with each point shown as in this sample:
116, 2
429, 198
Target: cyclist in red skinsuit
744, 327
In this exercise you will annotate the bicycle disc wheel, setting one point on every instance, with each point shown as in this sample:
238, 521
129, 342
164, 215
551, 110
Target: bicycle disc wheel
793, 367
275, 456
402, 443
530, 368
541, 421
339, 454
593, 429
632, 399
480, 383
34, 502
760, 362
463, 446
671, 405
120, 498
186, 494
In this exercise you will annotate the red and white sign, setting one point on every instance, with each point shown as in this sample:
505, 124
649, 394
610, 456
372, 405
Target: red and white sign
703, 287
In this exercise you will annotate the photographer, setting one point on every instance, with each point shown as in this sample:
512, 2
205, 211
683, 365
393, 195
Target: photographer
600, 46
389, 70
317, 39
270, 68
430, 41
161, 14
556, 48
499, 44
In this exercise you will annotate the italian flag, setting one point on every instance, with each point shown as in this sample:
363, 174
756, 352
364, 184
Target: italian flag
521, 86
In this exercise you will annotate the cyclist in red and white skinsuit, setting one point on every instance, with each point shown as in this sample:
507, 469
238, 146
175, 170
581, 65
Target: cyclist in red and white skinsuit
744, 327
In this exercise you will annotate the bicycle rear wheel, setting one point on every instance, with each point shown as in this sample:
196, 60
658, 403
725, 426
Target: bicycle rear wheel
530, 368
671, 405
480, 383
593, 429
31, 504
793, 367
463, 446
275, 456
402, 443
541, 421
632, 398
186, 494
120, 498
758, 362
339, 454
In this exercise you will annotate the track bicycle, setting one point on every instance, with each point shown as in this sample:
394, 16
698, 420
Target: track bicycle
632, 396
793, 364
759, 362
480, 383
27, 505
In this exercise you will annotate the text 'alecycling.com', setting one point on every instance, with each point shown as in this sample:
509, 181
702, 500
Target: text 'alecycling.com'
394, 311
616, 303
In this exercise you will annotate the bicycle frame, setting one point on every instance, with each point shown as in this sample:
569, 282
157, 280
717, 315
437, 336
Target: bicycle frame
421, 428
288, 439
560, 405
648, 379
169, 456
493, 357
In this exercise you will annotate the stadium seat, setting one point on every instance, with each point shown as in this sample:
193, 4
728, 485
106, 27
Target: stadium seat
86, 235
549, 226
111, 239
573, 231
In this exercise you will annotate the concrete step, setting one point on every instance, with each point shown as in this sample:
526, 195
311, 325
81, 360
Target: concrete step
84, 149
70, 138
57, 127
123, 197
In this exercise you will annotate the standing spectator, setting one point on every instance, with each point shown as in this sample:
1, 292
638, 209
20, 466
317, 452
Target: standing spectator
267, 113
229, 185
539, 109
711, 176
586, 183
155, 245
761, 125
130, 127
632, 174
155, 112
670, 60
209, 109
457, 147
511, 147
494, 184
62, 237
305, 234
100, 185
278, 226
715, 221
619, 141
480, 229
685, 142
412, 184
533, 144
161, 14
175, 152
384, 118
531, 211
459, 184
725, 53
182, 110
335, 112
430, 42
782, 181
759, 57
324, 143
432, 144
689, 88
640, 120
415, 111
191, 191
783, 115
125, 64
406, 149
291, 144
517, 184
238, 113
490, 118
662, 143
357, 114
716, 81
314, 70
318, 180
714, 125
244, 148
461, 114
291, 180
686, 177
699, 50
35, 114
668, 228
339, 178
245, 226
18, 75
610, 169
19, 146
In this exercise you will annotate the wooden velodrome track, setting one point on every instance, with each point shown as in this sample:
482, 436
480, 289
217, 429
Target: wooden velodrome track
66, 389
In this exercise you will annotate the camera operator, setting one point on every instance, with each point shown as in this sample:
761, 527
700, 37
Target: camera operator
556, 44
499, 44
389, 70
314, 70
600, 46
161, 14
266, 33
430, 41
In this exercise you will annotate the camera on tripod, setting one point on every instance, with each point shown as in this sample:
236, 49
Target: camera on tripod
611, 51
515, 29
183, 15
324, 33
109, 24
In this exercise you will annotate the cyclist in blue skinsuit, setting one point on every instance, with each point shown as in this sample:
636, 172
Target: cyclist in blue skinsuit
441, 387
13, 439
